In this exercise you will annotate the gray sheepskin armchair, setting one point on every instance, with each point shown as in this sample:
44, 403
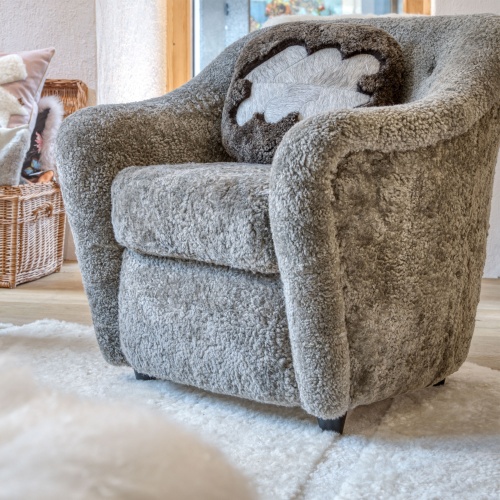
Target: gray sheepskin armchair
346, 272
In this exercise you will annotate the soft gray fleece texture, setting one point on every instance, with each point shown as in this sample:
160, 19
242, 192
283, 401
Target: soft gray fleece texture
256, 140
162, 210
378, 216
182, 303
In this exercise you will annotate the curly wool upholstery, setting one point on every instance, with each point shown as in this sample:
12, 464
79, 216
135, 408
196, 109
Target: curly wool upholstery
378, 218
398, 259
246, 353
162, 211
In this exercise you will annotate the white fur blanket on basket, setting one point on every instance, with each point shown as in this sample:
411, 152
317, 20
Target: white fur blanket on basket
14, 142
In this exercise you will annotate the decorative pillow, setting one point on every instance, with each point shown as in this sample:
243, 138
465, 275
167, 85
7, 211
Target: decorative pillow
28, 88
293, 71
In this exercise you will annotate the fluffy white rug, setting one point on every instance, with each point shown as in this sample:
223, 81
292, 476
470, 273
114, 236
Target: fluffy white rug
57, 446
440, 442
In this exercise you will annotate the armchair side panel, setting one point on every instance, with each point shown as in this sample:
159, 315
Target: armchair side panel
412, 229
96, 143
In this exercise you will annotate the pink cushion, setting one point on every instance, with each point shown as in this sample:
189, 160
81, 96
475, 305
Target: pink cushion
29, 90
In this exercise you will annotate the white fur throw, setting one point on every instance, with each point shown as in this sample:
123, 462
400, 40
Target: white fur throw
14, 142
54, 446
49, 134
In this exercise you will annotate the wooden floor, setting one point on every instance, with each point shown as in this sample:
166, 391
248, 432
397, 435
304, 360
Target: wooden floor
61, 296
485, 347
58, 296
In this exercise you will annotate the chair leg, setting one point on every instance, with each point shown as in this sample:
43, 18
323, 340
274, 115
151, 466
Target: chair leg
440, 383
335, 425
142, 376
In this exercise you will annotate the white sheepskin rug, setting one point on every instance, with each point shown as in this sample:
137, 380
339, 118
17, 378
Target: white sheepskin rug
436, 443
56, 446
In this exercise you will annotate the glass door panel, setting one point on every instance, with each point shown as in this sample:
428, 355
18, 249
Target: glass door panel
219, 23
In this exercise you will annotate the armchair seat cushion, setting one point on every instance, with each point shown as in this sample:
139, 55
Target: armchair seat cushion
215, 213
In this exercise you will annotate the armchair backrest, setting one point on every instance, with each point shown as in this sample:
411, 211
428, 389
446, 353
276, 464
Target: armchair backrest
452, 65
447, 53
442, 53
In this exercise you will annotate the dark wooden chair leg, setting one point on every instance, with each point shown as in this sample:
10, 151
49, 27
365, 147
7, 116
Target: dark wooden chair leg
335, 425
142, 376
440, 383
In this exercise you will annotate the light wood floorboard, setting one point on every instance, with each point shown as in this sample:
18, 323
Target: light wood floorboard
57, 296
485, 346
61, 296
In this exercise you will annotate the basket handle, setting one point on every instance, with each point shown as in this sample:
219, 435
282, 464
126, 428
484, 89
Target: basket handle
44, 210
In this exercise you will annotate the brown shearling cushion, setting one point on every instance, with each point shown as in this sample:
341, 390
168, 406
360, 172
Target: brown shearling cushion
296, 70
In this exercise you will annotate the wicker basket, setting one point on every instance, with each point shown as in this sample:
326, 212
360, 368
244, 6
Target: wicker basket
32, 222
73, 93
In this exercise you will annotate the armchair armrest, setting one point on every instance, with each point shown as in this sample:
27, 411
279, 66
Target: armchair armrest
96, 143
375, 213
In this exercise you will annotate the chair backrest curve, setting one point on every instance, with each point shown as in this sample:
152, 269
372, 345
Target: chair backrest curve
443, 53
447, 53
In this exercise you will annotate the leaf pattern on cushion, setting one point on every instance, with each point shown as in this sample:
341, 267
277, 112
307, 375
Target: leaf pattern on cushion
292, 81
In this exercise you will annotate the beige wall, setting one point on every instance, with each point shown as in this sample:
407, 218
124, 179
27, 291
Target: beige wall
131, 49
69, 26
117, 47
450, 7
